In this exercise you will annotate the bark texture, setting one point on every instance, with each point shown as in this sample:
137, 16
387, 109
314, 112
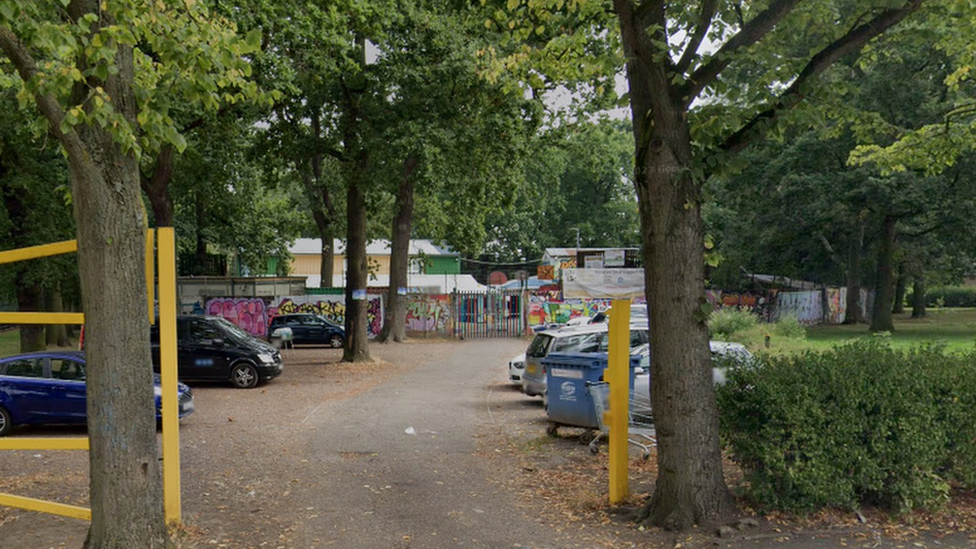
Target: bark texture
855, 245
898, 302
884, 292
125, 480
918, 297
690, 487
395, 319
357, 333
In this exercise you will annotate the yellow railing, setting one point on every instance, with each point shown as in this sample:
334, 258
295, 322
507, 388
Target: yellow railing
168, 378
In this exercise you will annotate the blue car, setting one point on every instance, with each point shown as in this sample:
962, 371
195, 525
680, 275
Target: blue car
48, 388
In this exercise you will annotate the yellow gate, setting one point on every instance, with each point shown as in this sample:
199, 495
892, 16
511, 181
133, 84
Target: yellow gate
167, 341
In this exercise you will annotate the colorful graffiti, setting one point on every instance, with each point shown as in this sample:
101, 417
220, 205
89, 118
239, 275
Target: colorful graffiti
248, 313
543, 312
836, 305
332, 307
428, 313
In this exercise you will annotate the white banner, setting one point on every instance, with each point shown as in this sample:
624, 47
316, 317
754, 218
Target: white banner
603, 283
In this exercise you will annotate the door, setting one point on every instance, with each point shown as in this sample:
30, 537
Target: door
68, 381
24, 390
201, 351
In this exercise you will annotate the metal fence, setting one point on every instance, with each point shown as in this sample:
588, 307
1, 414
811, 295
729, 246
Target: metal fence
491, 314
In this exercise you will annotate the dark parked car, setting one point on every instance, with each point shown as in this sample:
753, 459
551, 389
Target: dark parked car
48, 388
310, 328
211, 348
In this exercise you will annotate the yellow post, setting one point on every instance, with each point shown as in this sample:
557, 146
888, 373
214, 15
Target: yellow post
167, 360
618, 376
71, 443
150, 274
42, 318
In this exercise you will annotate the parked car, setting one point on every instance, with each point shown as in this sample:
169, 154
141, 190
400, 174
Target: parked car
591, 338
515, 368
211, 348
310, 329
725, 354
48, 388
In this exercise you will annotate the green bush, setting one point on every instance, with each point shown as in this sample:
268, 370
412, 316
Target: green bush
861, 424
723, 323
789, 326
956, 296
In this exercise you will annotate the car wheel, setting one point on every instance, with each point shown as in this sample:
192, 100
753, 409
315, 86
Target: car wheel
335, 341
244, 376
6, 422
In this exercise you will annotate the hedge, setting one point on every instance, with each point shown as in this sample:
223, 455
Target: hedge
861, 424
955, 296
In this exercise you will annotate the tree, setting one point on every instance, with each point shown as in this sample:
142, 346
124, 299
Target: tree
688, 122
83, 67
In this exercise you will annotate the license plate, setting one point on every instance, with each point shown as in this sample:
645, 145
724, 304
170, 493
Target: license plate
530, 368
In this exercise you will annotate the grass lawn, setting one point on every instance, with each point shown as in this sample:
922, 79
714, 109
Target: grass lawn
9, 342
954, 328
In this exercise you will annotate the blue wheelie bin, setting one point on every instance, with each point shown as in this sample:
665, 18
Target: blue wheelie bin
569, 400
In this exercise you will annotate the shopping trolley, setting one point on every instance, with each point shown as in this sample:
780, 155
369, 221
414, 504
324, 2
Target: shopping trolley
640, 420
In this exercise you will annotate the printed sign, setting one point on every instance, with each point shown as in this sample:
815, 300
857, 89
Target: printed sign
613, 258
603, 283
359, 295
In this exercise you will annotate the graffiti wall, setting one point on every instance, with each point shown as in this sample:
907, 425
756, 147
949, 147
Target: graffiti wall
332, 307
806, 306
429, 314
248, 313
543, 312
252, 314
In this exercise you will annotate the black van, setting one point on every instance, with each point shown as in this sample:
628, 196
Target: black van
211, 348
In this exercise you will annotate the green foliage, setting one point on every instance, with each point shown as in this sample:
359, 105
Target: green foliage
725, 323
789, 326
860, 424
953, 296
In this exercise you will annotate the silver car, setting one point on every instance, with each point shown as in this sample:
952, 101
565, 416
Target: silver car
591, 338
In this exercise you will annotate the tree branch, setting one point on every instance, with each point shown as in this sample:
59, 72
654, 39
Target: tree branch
751, 32
701, 29
27, 68
850, 42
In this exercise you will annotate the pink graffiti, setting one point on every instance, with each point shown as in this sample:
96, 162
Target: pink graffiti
248, 313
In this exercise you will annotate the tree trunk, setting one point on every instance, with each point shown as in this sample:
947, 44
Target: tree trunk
125, 484
898, 305
854, 247
395, 321
30, 299
57, 334
327, 263
884, 285
357, 333
918, 297
156, 187
690, 487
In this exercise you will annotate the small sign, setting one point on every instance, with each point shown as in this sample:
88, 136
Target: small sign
401, 291
359, 295
613, 258
566, 373
593, 262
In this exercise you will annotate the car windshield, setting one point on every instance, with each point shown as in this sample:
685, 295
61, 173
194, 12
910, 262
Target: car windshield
539, 346
232, 328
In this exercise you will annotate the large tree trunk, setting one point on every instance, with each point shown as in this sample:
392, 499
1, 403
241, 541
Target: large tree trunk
327, 262
854, 247
918, 297
898, 304
884, 294
690, 487
357, 333
395, 321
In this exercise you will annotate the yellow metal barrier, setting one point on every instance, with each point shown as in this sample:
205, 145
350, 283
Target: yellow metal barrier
618, 376
168, 381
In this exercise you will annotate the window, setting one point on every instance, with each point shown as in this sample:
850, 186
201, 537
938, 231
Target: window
62, 368
539, 346
203, 332
33, 367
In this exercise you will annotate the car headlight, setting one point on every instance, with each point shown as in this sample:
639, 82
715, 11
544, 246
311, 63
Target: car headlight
518, 365
266, 358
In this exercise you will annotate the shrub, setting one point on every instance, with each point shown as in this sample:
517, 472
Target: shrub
723, 323
858, 424
789, 326
956, 296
